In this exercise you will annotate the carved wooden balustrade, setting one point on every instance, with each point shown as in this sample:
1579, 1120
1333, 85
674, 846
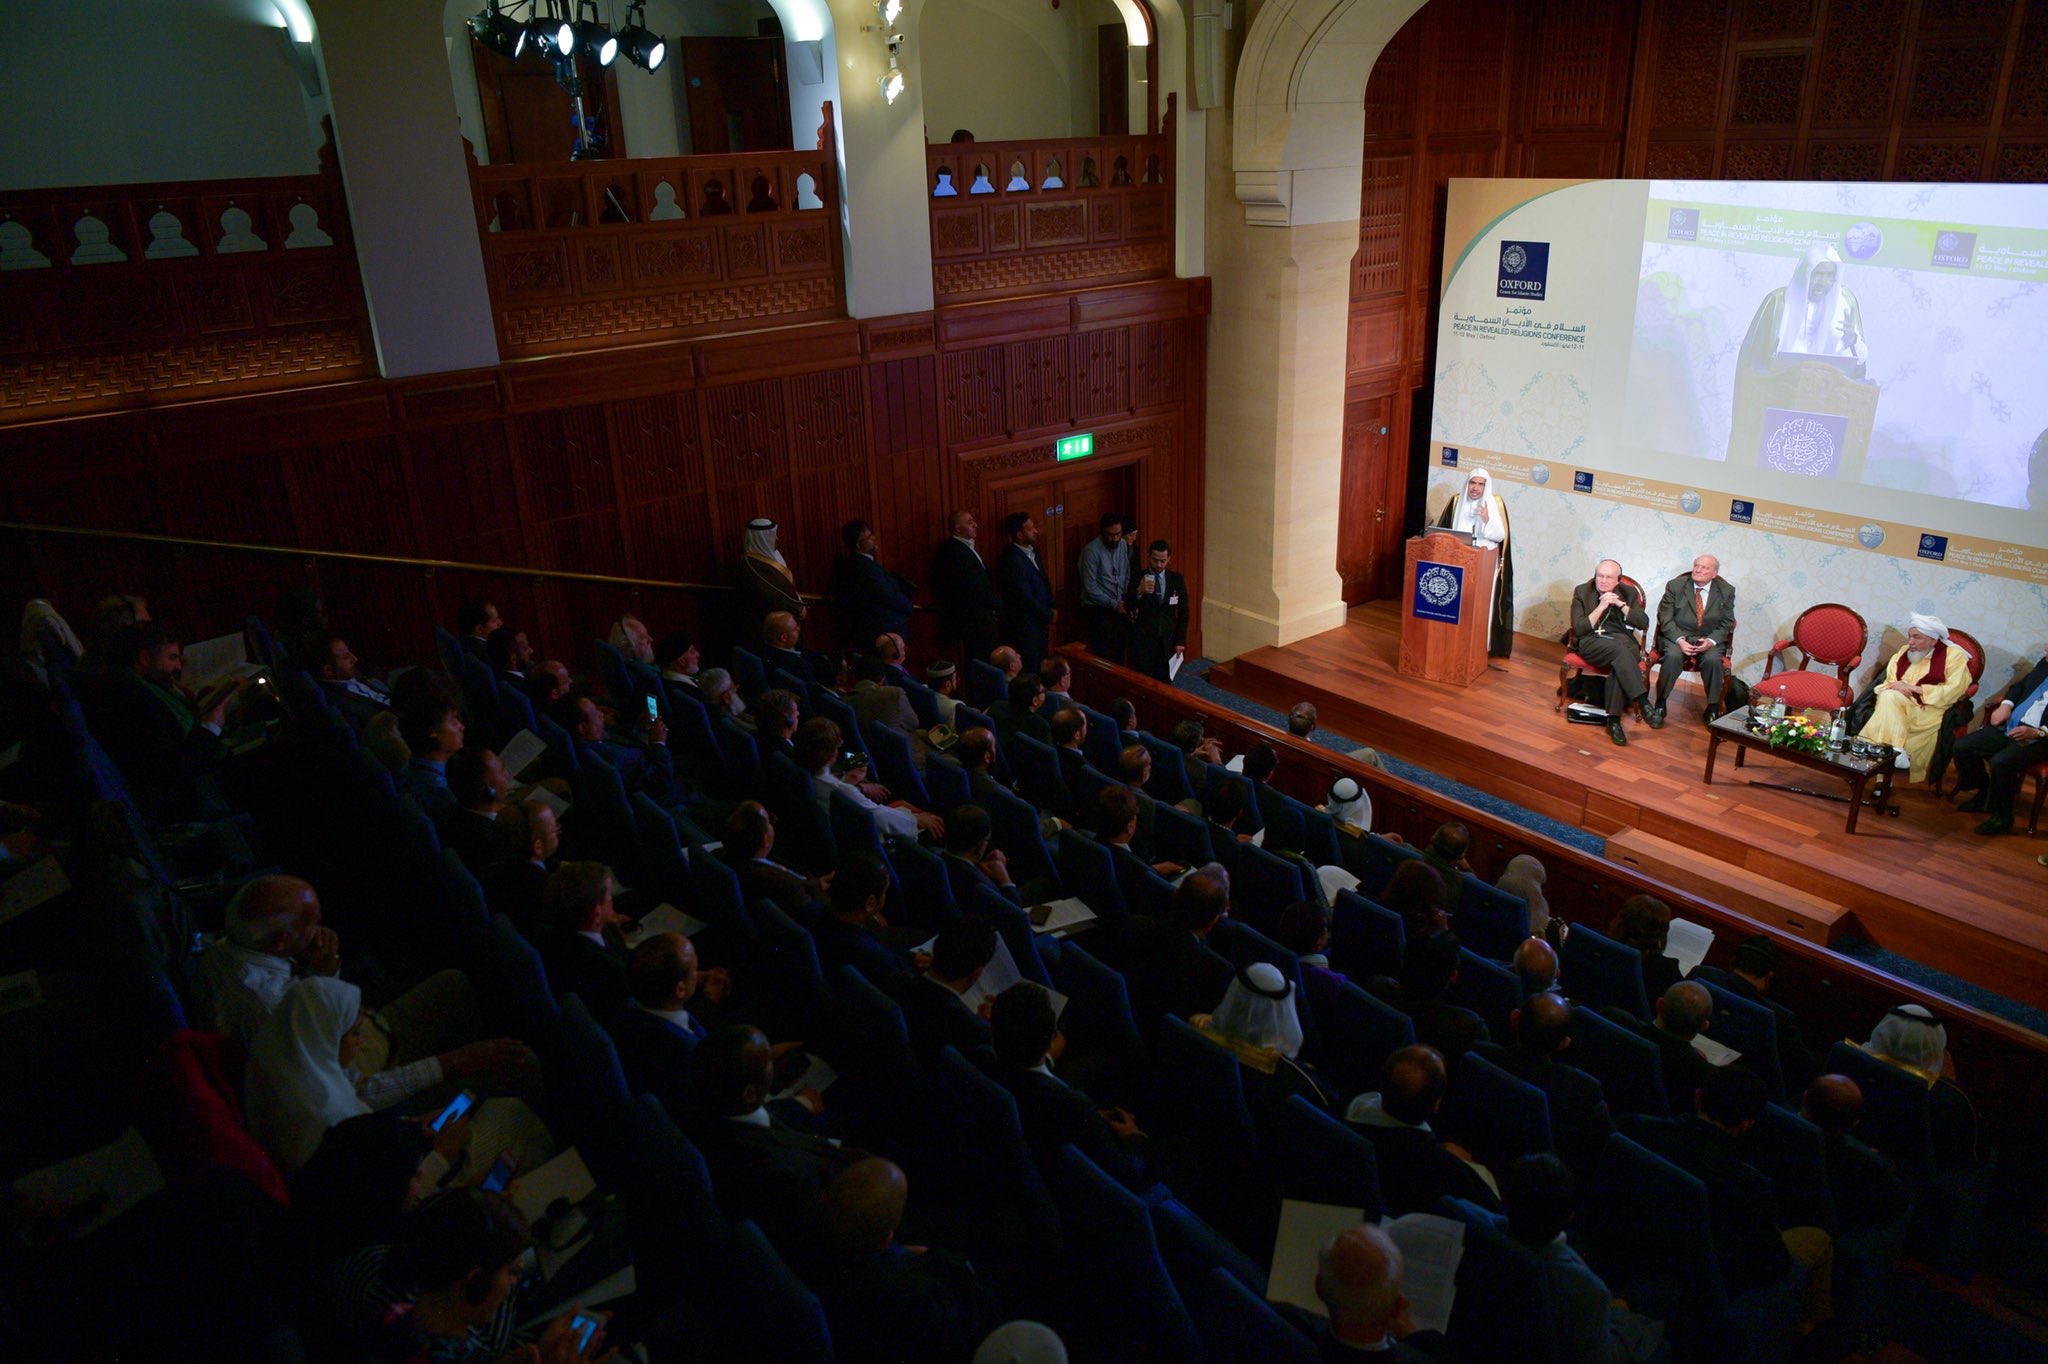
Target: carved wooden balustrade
122, 296
584, 254
1014, 218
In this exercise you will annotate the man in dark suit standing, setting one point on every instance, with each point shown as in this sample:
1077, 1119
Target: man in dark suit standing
1696, 624
1159, 615
968, 600
934, 1010
1026, 591
869, 599
1606, 613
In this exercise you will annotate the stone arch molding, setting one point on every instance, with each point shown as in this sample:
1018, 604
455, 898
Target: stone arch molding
1298, 111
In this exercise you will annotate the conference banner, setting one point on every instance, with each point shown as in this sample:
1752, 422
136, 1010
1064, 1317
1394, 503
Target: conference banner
1847, 363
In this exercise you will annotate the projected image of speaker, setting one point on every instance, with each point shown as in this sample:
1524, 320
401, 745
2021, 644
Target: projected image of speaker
1802, 404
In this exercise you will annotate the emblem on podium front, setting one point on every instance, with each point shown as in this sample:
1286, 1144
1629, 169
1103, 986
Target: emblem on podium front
1439, 591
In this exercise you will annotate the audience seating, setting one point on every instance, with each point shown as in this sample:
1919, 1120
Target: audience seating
1603, 973
1235, 1323
1123, 1295
1630, 1072
947, 782
1496, 1116
889, 750
1318, 1159
1748, 1027
1366, 939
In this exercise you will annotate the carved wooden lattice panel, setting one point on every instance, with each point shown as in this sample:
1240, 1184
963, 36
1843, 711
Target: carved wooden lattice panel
748, 433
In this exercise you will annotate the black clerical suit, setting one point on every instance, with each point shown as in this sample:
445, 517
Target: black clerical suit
968, 600
1686, 613
1027, 603
1609, 643
870, 600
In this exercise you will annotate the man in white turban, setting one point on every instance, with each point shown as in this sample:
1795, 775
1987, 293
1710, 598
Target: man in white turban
1915, 688
1812, 315
1477, 511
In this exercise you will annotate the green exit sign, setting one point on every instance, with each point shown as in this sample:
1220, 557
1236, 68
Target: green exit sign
1074, 447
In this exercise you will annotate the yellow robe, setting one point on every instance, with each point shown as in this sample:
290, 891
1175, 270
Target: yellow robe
1913, 726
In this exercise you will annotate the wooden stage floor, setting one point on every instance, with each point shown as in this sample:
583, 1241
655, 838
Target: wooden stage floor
1920, 884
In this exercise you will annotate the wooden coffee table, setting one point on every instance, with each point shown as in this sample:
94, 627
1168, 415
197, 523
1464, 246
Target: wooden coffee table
1859, 773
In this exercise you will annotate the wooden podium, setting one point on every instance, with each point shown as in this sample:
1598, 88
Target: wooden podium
1447, 608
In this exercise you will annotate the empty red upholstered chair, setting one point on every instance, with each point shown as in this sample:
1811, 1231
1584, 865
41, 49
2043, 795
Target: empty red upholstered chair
1828, 636
189, 1109
1574, 667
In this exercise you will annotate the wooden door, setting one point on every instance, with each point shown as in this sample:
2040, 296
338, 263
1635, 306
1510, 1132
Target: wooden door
1067, 507
528, 116
738, 95
1372, 500
1112, 81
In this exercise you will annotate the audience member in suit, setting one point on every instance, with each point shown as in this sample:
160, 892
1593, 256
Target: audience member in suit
334, 666
1445, 851
1869, 1192
1754, 971
643, 766
1429, 970
1535, 964
782, 647
1579, 1119
1009, 660
853, 932
869, 599
511, 656
977, 753
432, 728
934, 1010
680, 661
968, 599
1058, 676
657, 1034
1053, 1113
1644, 923
1026, 592
1683, 1012
1197, 751
748, 848
877, 702
1158, 607
1134, 769
1304, 929
1541, 1194
1224, 807
579, 938
761, 1167
1168, 964
1416, 1168
1706, 1141
1993, 759
889, 1303
548, 682
149, 725
524, 838
1417, 893
1359, 1278
1018, 711
772, 720
971, 862
1116, 824
1069, 730
477, 789
1258, 1022
474, 621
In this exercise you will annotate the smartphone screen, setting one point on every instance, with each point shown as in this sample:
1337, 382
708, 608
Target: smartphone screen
584, 1326
653, 711
500, 1175
457, 1106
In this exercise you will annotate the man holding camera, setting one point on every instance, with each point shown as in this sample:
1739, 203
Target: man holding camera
1159, 615
1696, 624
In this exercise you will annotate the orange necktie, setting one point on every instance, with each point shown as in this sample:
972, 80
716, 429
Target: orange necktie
1699, 607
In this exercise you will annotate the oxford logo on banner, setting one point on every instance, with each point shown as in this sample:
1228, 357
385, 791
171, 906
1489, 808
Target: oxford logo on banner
1524, 270
1439, 591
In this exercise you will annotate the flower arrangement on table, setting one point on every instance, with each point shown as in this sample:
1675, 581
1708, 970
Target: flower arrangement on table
1799, 734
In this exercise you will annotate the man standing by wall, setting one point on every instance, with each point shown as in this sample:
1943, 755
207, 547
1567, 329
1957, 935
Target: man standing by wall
1027, 592
1105, 569
1159, 616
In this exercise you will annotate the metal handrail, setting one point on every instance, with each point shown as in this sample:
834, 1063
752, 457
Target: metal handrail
349, 556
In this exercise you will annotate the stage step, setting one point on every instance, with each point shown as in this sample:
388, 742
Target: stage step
1746, 892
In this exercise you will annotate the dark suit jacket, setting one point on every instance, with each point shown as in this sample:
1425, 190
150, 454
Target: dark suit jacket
1586, 596
358, 709
1170, 971
655, 1054
578, 966
963, 876
141, 726
1448, 1027
1010, 722
1740, 1201
1868, 1190
870, 600
800, 663
841, 944
770, 881
773, 1175
641, 767
469, 833
476, 648
514, 890
936, 1019
902, 1306
1054, 1114
1027, 601
1579, 1118
1416, 1171
968, 600
1159, 617
1685, 1070
1676, 617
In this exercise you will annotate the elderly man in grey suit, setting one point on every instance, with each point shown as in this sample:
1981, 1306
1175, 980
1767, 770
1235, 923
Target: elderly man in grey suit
1696, 624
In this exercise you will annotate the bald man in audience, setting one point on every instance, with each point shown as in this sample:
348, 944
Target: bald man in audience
1416, 1166
1868, 1190
1536, 966
889, 1303
1360, 1280
1683, 1012
274, 936
1541, 1033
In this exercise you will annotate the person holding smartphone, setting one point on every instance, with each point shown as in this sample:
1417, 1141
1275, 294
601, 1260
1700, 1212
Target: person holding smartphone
1696, 627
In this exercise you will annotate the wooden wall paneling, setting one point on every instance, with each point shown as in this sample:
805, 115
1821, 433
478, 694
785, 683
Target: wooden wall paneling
1040, 376
1160, 370
747, 432
1102, 373
975, 396
467, 497
903, 404
565, 456
827, 418
352, 495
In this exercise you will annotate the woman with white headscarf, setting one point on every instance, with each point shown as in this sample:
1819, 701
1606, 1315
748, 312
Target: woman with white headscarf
1259, 1023
1914, 1040
301, 1080
1477, 512
1524, 877
1914, 690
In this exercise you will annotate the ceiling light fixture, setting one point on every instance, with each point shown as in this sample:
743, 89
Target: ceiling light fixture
592, 36
644, 48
